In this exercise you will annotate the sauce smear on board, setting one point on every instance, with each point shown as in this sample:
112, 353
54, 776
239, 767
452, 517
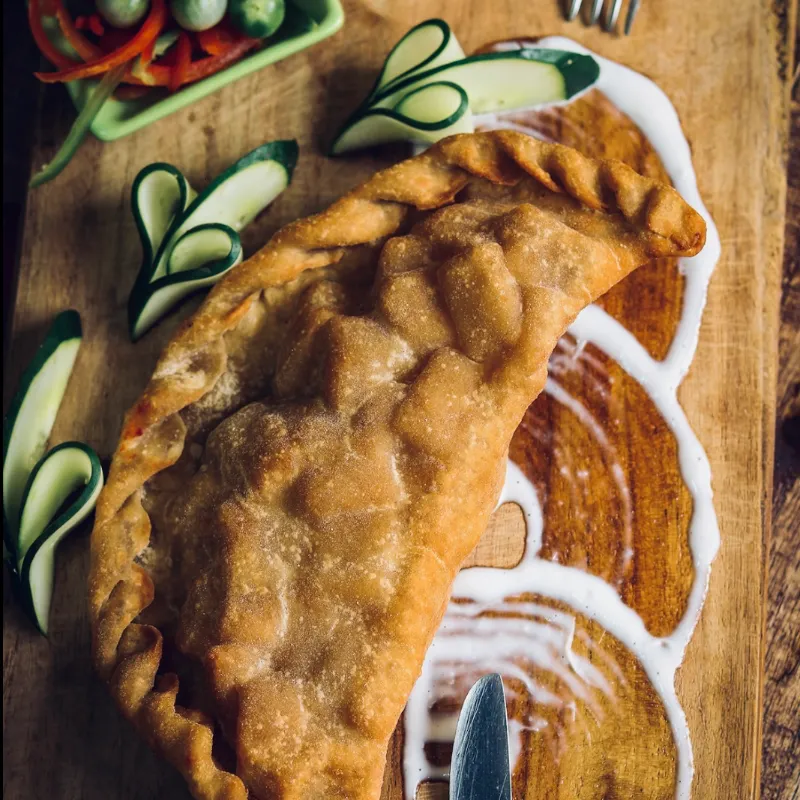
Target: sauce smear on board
590, 626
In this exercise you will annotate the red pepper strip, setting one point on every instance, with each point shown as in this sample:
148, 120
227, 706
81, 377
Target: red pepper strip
157, 75
83, 47
96, 25
47, 48
219, 39
183, 60
150, 29
111, 40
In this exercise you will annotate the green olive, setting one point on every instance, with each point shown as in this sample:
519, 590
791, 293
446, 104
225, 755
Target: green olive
198, 15
122, 13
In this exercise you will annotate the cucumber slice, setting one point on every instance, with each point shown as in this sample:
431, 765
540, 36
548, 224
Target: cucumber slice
66, 469
160, 193
240, 193
198, 260
27, 426
501, 81
62, 472
426, 46
506, 80
426, 114
205, 244
232, 200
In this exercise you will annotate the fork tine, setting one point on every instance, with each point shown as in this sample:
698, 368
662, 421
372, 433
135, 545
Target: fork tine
613, 13
597, 6
574, 8
631, 14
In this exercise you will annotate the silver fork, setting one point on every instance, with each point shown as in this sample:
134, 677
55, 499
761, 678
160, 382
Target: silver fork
613, 8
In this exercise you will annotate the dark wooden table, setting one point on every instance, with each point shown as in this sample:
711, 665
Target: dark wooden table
781, 743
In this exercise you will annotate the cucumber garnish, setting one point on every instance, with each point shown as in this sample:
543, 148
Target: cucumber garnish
37, 486
69, 468
404, 105
167, 210
32, 413
426, 46
199, 259
426, 114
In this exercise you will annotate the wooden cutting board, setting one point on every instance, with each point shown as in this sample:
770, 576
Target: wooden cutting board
722, 62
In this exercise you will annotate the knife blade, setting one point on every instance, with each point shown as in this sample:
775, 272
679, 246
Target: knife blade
480, 765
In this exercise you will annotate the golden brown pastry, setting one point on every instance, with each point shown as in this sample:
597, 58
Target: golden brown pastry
321, 446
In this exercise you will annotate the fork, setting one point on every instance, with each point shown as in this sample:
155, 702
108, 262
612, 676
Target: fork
612, 12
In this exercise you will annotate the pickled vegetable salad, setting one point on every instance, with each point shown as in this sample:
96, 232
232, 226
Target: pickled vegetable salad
132, 46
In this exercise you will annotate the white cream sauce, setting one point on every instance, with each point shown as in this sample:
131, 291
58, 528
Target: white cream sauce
469, 644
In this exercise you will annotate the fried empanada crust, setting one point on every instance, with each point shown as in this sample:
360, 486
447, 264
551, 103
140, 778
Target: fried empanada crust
321, 446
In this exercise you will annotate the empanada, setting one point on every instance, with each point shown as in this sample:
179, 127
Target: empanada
321, 446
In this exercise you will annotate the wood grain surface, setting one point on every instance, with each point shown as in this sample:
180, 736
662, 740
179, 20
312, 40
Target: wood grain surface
725, 66
781, 766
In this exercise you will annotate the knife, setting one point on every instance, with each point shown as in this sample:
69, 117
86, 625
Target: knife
480, 768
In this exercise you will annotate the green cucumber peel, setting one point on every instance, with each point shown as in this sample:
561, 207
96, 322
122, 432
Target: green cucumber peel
429, 55
37, 485
164, 218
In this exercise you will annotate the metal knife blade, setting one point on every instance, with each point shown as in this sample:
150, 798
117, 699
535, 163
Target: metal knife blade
480, 768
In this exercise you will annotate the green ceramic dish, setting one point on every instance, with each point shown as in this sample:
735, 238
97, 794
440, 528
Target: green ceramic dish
117, 118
